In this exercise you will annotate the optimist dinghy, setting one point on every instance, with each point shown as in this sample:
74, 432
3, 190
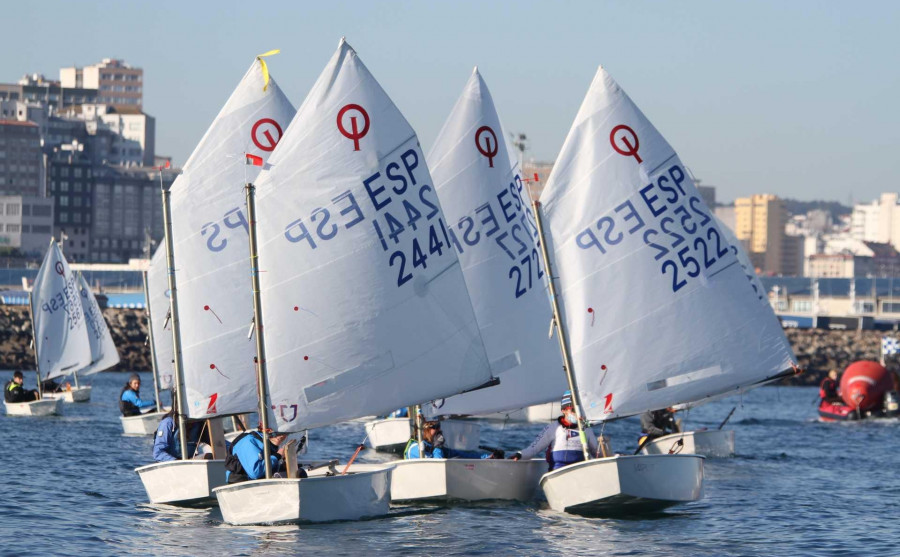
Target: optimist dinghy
653, 308
59, 330
366, 309
209, 289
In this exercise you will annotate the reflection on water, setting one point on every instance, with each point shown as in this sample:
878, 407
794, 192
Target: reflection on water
797, 487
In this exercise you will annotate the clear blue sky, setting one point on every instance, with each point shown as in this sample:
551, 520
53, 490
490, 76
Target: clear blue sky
798, 98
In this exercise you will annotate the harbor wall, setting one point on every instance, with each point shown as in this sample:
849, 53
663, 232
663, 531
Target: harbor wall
817, 350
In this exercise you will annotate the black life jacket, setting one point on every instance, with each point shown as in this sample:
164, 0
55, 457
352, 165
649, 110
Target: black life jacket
9, 391
125, 407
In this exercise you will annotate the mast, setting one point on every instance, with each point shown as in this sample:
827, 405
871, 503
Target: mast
561, 331
262, 388
152, 343
37, 359
181, 403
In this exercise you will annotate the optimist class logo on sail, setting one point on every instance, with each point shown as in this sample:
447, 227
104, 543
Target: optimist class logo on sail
666, 215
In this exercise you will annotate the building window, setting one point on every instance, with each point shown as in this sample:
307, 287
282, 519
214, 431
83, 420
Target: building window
801, 305
863, 307
12, 209
890, 307
12, 228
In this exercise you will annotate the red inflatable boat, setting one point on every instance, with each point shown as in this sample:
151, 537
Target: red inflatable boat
867, 390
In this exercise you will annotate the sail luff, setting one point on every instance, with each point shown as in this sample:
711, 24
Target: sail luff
561, 334
153, 365
103, 350
261, 380
178, 396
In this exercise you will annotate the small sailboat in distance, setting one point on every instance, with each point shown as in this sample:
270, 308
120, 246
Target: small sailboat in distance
363, 308
59, 330
156, 293
103, 350
652, 307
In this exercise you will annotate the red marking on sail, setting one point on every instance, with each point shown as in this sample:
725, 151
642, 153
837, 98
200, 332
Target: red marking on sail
296, 308
305, 357
207, 308
211, 409
607, 408
254, 160
215, 367
591, 311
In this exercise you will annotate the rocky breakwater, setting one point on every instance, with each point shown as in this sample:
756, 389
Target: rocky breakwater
817, 350
127, 326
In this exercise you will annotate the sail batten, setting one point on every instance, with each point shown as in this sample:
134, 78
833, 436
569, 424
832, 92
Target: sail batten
650, 285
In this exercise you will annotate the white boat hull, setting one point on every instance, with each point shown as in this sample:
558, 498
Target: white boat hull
464, 479
314, 499
43, 407
625, 484
182, 482
390, 435
76, 394
713, 443
145, 424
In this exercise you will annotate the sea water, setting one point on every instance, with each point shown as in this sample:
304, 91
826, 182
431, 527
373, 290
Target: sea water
796, 487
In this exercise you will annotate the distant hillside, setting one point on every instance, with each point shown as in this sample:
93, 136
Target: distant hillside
797, 207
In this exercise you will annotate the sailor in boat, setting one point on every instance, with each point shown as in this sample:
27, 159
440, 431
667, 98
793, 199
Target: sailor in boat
656, 423
828, 389
15, 392
166, 445
433, 446
245, 457
560, 441
130, 403
50, 386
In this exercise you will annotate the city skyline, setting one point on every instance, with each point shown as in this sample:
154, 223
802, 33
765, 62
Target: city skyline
788, 99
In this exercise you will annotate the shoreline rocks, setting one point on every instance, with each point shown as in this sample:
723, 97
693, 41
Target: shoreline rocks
817, 350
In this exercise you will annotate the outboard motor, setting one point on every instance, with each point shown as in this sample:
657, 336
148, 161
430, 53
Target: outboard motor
891, 403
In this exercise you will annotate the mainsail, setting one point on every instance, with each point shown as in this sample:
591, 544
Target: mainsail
103, 350
364, 303
492, 229
158, 286
658, 308
209, 228
60, 331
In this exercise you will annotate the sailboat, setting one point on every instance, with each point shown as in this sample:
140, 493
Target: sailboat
209, 287
652, 307
719, 442
361, 308
103, 350
60, 334
492, 230
156, 294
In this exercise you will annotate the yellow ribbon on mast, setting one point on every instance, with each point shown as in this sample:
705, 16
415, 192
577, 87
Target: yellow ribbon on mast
265, 68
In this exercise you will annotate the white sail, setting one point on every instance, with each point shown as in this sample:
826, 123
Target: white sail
158, 289
364, 306
658, 309
737, 248
490, 218
60, 331
103, 350
209, 230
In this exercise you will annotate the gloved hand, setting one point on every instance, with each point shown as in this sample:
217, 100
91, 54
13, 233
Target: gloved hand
516, 456
497, 454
